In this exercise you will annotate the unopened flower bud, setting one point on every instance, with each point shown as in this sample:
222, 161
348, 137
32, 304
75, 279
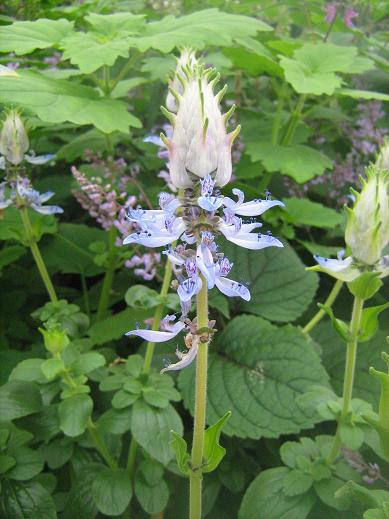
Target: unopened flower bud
55, 340
367, 229
200, 145
186, 60
13, 139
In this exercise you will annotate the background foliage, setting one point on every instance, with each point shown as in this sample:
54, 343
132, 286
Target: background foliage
90, 78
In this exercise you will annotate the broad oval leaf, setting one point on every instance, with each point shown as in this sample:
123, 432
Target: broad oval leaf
258, 372
151, 428
264, 499
26, 500
281, 289
57, 101
112, 491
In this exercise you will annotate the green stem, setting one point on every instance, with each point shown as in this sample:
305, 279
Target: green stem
107, 80
85, 294
124, 70
100, 445
37, 255
349, 370
109, 276
278, 115
294, 119
200, 408
328, 302
158, 316
133, 449
287, 138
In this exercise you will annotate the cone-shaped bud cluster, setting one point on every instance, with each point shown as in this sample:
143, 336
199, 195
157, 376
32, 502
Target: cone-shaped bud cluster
186, 60
367, 229
200, 145
13, 139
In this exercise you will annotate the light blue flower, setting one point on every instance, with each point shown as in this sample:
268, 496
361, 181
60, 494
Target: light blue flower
189, 288
168, 330
34, 199
253, 208
185, 358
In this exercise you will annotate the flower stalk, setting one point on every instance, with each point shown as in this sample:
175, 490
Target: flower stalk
200, 408
109, 276
31, 240
328, 303
351, 357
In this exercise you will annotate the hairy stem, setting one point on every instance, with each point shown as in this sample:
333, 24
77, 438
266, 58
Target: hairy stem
328, 302
109, 276
200, 408
100, 445
349, 370
32, 242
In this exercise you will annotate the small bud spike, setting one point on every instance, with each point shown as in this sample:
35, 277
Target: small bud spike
169, 115
175, 94
167, 142
228, 114
221, 93
215, 80
232, 136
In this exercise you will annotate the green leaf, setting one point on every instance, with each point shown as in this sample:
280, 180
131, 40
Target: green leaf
369, 323
264, 498
28, 370
112, 491
115, 326
281, 289
352, 436
11, 226
68, 251
124, 87
102, 46
123, 399
368, 355
29, 463
6, 463
362, 94
151, 429
74, 413
24, 37
366, 285
57, 101
302, 211
198, 29
339, 326
11, 254
326, 489
58, 452
142, 297
51, 368
213, 451
79, 503
258, 375
375, 513
292, 452
86, 363
13, 401
26, 500
92, 139
313, 67
296, 483
154, 398
180, 447
115, 421
152, 498
298, 161
255, 63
